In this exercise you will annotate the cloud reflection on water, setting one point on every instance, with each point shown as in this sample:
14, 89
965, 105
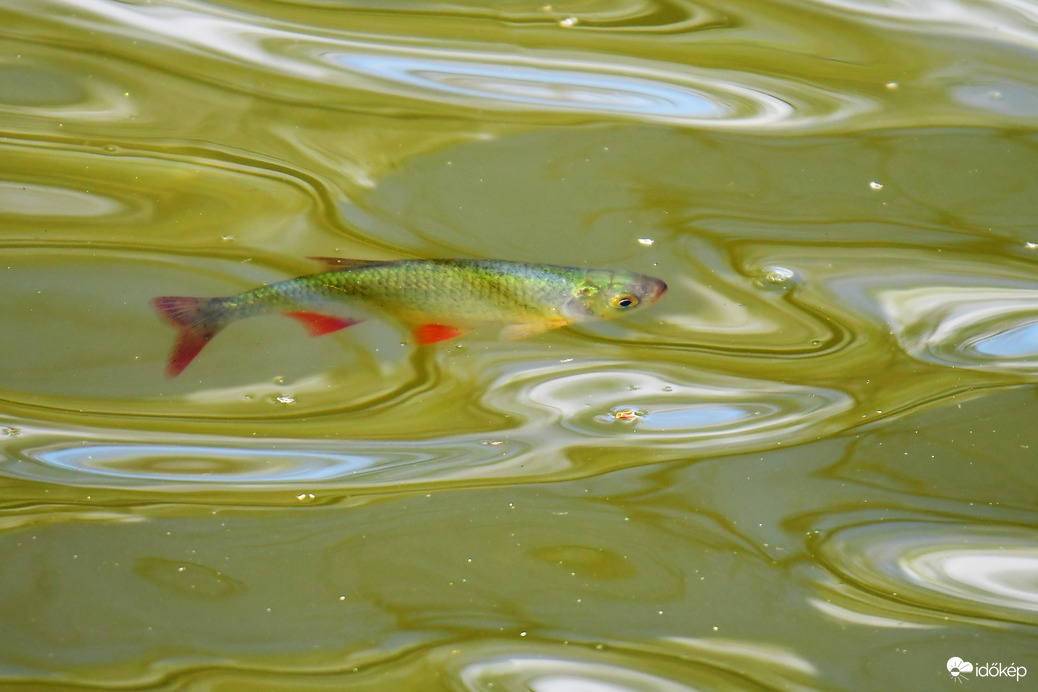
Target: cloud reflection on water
980, 570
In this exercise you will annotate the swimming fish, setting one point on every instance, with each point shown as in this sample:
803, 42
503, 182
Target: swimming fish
437, 299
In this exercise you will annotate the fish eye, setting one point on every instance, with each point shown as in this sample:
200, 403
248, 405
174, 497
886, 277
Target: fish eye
624, 300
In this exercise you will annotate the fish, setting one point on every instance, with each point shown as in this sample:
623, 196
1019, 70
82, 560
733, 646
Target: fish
438, 299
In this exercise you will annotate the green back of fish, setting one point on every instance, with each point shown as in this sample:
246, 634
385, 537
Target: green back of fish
447, 291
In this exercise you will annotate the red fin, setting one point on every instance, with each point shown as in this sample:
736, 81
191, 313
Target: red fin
431, 333
190, 316
336, 263
317, 324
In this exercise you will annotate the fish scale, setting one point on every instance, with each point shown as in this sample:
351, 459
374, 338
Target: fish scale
438, 299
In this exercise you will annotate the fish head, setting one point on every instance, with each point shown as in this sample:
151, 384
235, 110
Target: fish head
604, 293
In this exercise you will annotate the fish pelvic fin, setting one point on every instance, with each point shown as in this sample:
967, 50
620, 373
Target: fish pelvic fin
332, 264
426, 334
195, 325
317, 324
521, 331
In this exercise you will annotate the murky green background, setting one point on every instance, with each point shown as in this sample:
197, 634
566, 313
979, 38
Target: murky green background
830, 483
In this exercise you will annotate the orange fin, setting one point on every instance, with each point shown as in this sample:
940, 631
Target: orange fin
317, 324
431, 333
195, 325
337, 263
521, 331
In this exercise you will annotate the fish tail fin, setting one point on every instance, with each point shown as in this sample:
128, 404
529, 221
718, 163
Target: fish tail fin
195, 322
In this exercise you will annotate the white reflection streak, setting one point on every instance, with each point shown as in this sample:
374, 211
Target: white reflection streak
232, 38
543, 673
733, 104
999, 578
771, 655
985, 571
1002, 19
864, 619
970, 327
229, 462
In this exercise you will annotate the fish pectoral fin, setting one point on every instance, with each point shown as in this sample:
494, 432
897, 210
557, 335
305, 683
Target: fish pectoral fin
317, 324
338, 263
431, 333
522, 331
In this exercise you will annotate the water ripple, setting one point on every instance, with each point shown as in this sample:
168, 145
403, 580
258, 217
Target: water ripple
31, 199
629, 16
540, 87
1003, 20
669, 405
289, 62
538, 673
232, 464
136, 462
632, 89
41, 89
976, 571
988, 328
678, 664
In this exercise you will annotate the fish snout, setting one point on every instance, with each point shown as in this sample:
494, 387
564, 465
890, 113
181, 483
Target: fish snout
654, 289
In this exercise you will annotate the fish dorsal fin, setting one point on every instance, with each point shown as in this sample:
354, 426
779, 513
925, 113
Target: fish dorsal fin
337, 263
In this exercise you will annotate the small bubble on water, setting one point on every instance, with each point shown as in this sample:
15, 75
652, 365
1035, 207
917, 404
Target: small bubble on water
493, 443
280, 379
647, 242
892, 86
668, 388
876, 186
776, 278
10, 432
227, 238
1031, 246
305, 497
111, 148
285, 399
568, 22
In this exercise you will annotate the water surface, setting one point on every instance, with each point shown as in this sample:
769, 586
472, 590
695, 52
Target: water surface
810, 466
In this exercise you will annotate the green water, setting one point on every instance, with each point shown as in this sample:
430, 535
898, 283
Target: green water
829, 481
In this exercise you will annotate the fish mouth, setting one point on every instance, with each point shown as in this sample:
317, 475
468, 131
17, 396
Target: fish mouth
656, 289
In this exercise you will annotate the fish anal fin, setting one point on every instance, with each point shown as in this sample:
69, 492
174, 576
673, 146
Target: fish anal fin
431, 333
317, 324
337, 263
522, 331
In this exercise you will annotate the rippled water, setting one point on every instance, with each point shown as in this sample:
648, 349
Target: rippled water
809, 466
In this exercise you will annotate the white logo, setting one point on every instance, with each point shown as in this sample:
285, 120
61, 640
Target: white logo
956, 666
